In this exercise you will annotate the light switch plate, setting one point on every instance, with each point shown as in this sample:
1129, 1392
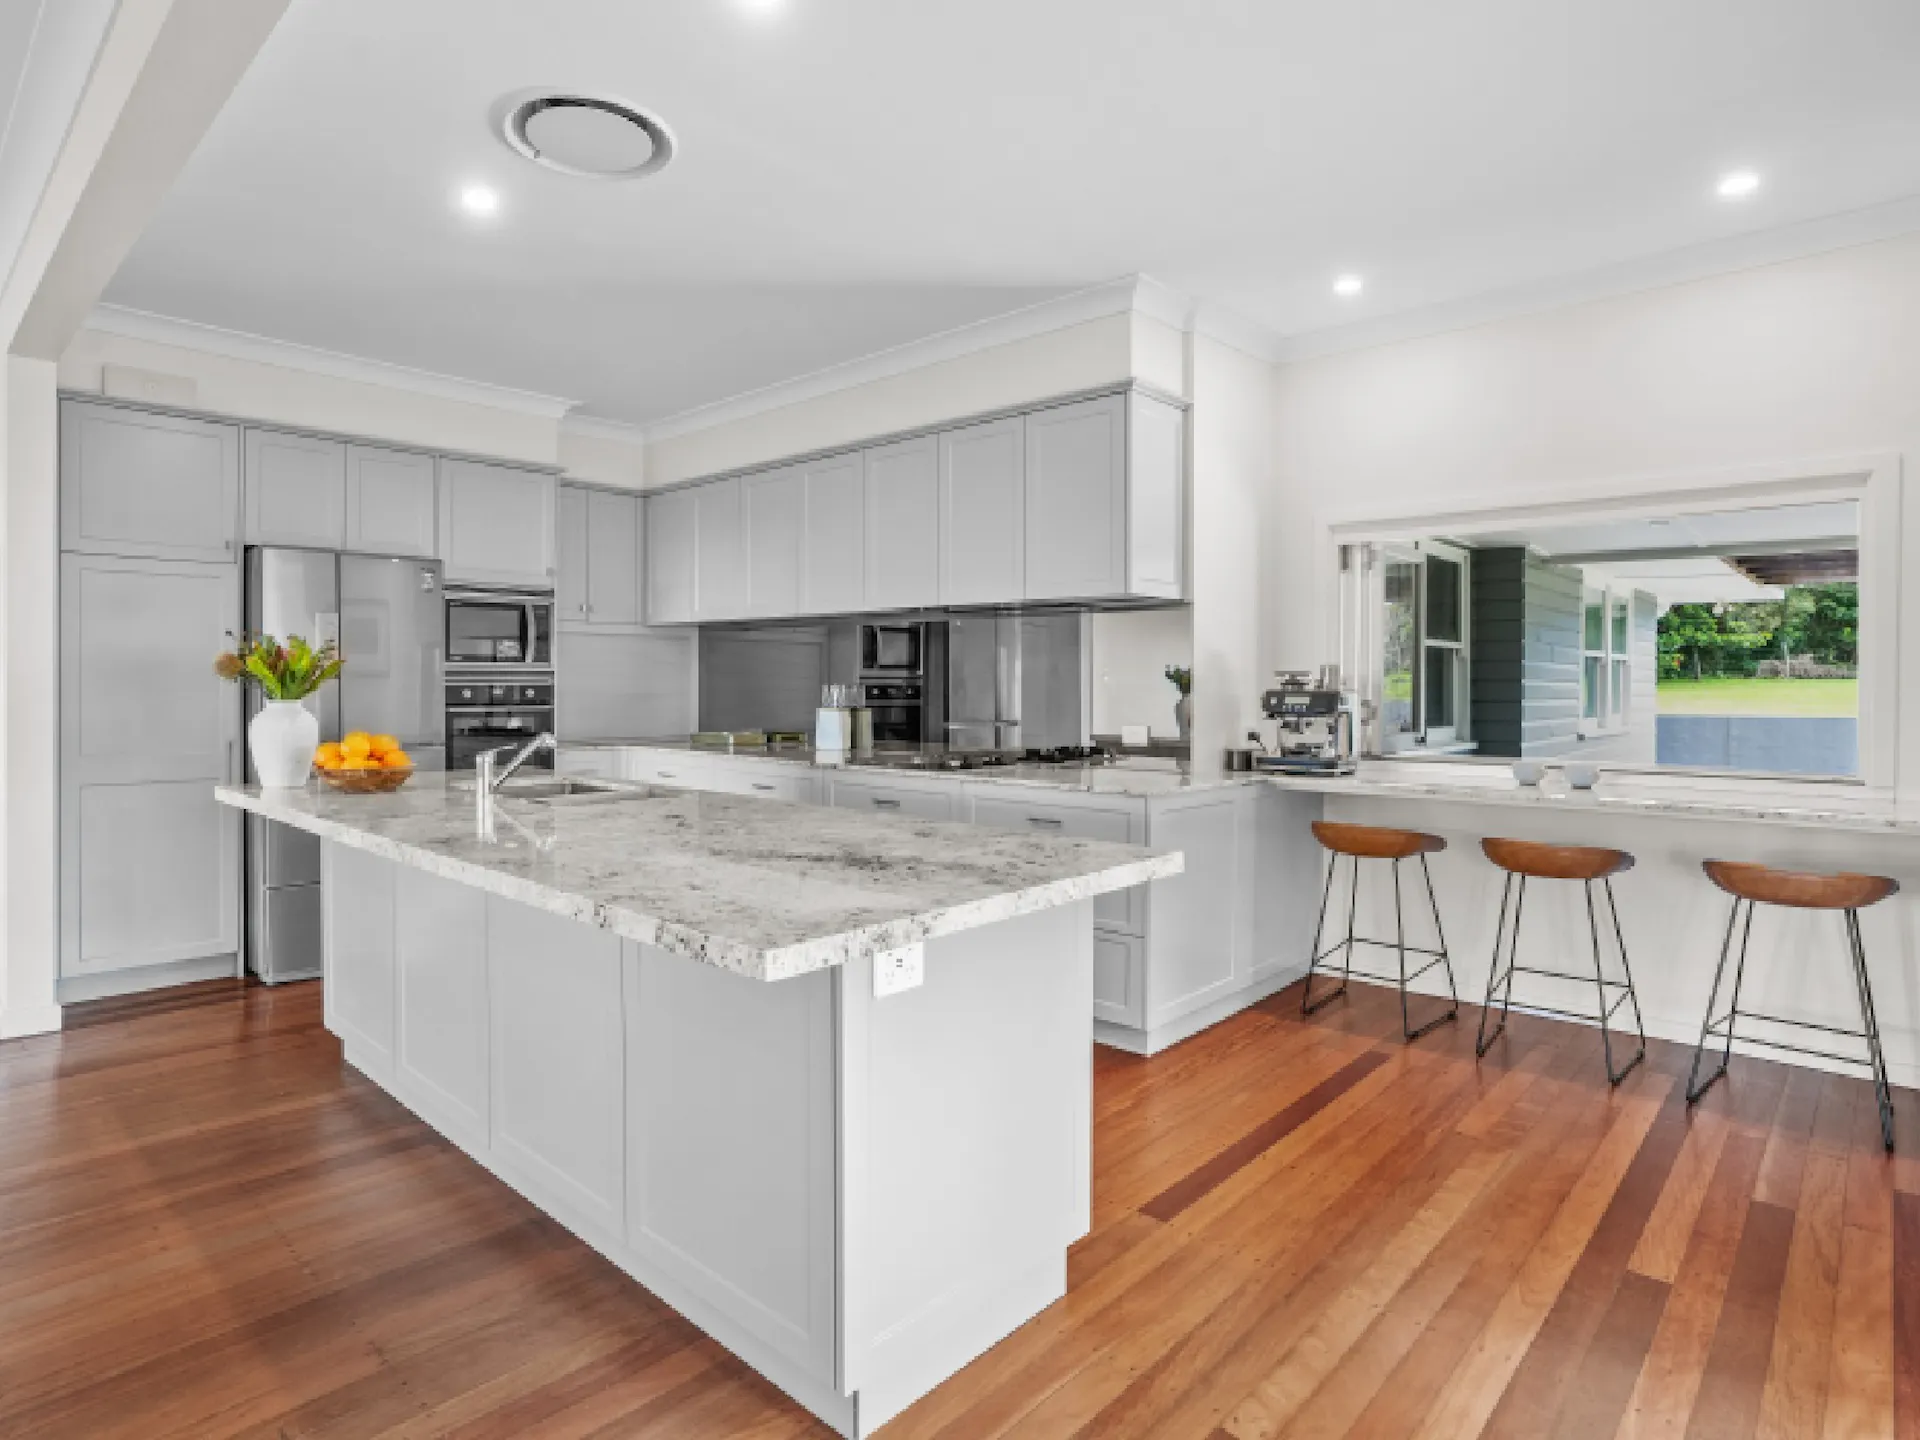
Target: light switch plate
897, 970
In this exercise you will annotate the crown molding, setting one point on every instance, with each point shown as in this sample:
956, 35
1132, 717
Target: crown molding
260, 350
592, 427
1673, 267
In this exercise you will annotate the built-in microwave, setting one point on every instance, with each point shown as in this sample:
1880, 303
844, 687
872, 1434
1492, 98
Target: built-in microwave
892, 650
505, 628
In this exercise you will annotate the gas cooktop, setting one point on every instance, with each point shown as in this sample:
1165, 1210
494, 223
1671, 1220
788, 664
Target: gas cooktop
991, 759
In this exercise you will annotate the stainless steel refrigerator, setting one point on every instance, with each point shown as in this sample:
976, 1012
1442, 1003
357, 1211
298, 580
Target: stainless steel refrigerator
389, 617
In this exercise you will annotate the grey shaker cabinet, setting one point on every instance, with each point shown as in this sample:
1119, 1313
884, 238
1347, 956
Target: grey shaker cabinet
570, 550
137, 483
295, 490
834, 535
720, 551
983, 528
614, 548
392, 503
496, 524
673, 526
1106, 499
149, 863
903, 524
774, 503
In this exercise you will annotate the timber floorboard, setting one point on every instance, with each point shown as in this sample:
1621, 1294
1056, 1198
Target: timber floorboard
210, 1227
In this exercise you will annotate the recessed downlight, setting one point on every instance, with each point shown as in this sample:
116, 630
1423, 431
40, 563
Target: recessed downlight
480, 200
586, 135
1349, 285
1737, 184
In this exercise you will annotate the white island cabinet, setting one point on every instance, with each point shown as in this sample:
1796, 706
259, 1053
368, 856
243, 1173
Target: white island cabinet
656, 1014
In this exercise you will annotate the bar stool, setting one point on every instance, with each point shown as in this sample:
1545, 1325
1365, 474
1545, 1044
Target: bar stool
1375, 842
1752, 885
1525, 860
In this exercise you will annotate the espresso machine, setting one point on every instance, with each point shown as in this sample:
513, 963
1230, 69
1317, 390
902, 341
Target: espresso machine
1309, 724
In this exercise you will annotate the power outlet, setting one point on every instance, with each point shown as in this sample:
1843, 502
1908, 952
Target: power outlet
897, 970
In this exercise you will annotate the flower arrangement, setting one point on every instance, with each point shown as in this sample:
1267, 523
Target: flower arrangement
1181, 677
290, 671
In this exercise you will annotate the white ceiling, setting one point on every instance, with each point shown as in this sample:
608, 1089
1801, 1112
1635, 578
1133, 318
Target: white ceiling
854, 174
1762, 526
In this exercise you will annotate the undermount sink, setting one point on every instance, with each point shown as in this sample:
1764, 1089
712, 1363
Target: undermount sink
557, 787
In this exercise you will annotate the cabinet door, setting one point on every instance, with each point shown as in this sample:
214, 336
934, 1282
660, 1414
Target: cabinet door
149, 863
296, 490
496, 524
613, 558
672, 550
834, 545
570, 554
983, 522
132, 483
775, 506
881, 798
1156, 498
1119, 978
903, 525
392, 503
1076, 500
1117, 909
720, 566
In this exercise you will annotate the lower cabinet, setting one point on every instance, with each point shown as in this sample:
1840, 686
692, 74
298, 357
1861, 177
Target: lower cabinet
935, 801
441, 1031
1121, 821
1119, 978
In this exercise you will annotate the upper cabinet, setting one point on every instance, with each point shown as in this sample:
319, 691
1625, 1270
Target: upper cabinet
672, 526
774, 505
720, 552
140, 484
833, 543
903, 525
1106, 500
392, 505
295, 490
600, 549
496, 524
983, 498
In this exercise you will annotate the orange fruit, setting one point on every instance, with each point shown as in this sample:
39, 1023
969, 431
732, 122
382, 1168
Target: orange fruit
397, 759
359, 762
357, 745
327, 756
384, 745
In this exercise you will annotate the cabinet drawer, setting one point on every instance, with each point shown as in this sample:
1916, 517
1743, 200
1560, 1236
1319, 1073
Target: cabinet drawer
664, 767
1119, 978
921, 802
1117, 910
758, 779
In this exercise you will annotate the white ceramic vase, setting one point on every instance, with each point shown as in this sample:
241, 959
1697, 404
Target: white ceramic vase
281, 740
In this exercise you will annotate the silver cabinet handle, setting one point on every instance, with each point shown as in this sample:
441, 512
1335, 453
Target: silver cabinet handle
886, 804
664, 774
758, 786
1045, 821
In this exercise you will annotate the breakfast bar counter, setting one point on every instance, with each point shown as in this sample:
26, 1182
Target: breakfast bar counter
819, 1079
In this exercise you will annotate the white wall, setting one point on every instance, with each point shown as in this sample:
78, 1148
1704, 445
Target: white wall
1131, 652
1078, 357
1813, 357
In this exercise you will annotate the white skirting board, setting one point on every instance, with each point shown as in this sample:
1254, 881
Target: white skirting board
1152, 1042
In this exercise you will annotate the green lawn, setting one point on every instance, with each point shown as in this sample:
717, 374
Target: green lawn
1740, 696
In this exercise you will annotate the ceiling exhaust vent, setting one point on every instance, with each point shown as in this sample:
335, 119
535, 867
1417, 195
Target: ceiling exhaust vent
585, 135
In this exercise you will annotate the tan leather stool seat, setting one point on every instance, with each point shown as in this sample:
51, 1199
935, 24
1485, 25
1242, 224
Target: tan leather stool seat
1802, 889
1556, 862
1375, 842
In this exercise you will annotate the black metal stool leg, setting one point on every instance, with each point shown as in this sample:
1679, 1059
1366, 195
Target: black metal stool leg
1319, 933
1626, 969
1696, 1087
1493, 971
1308, 1004
1871, 1022
1614, 1077
1400, 940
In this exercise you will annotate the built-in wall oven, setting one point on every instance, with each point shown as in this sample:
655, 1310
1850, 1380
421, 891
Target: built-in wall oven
485, 712
499, 629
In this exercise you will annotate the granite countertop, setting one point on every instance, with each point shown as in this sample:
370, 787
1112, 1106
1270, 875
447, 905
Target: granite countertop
1827, 805
1139, 777
754, 886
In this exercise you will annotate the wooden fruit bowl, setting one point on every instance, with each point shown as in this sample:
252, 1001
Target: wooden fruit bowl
365, 782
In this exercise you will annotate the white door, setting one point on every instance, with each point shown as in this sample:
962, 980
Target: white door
392, 503
720, 542
775, 512
834, 542
149, 863
983, 498
496, 524
1076, 500
134, 483
570, 554
903, 525
672, 525
613, 558
296, 490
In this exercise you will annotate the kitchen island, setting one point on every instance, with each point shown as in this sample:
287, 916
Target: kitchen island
653, 1012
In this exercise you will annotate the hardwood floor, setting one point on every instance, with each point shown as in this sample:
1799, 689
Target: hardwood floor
209, 1228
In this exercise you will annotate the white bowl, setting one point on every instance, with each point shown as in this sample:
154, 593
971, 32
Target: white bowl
1581, 774
1528, 772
